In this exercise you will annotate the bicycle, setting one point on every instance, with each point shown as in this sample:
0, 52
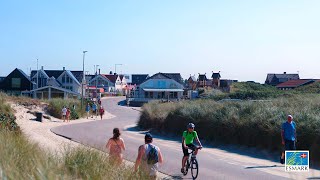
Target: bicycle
192, 164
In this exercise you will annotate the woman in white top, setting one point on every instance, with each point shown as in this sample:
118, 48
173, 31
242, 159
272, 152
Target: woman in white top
115, 146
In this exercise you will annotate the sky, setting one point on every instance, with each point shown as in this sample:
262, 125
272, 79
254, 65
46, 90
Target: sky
244, 40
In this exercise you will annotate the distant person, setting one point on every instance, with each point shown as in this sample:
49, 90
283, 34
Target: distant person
188, 137
68, 114
88, 110
288, 136
115, 146
94, 110
101, 112
149, 155
64, 113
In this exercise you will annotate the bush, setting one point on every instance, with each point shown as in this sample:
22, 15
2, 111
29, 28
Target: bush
56, 105
254, 91
249, 123
7, 119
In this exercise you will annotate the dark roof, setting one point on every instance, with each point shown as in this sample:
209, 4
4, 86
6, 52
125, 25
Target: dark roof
202, 77
78, 75
111, 77
24, 74
138, 78
295, 83
282, 76
57, 73
216, 75
192, 78
175, 76
121, 77
89, 77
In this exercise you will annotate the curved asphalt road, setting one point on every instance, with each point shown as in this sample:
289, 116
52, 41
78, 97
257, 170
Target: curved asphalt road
213, 163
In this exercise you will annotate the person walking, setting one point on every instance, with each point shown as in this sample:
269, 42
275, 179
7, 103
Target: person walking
115, 146
94, 110
88, 110
288, 136
68, 114
101, 111
64, 113
149, 156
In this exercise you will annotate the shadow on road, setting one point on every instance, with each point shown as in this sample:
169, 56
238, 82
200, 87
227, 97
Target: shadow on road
257, 167
241, 150
313, 178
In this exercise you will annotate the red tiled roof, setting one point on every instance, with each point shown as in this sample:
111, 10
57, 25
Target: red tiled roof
294, 83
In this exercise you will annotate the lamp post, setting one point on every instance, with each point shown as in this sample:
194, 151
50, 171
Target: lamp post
97, 81
83, 78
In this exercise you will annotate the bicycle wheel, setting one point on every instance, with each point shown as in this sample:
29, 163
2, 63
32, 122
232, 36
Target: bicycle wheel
194, 168
186, 168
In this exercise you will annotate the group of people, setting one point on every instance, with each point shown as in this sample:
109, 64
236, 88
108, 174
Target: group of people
149, 155
94, 110
66, 112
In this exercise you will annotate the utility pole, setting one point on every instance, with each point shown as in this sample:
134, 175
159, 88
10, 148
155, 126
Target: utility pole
97, 81
37, 74
83, 79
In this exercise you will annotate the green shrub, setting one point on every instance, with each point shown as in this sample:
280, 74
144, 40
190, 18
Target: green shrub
56, 105
254, 91
249, 123
7, 119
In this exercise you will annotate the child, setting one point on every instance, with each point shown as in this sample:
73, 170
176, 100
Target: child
68, 114
101, 111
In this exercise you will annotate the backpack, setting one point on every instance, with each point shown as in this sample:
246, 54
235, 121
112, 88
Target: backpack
152, 156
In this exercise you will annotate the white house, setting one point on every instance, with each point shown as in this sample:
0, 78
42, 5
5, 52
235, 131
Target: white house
160, 86
56, 83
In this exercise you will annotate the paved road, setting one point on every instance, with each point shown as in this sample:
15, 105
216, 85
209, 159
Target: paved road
214, 163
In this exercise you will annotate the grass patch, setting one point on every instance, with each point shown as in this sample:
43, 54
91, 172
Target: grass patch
55, 106
20, 159
249, 123
250, 90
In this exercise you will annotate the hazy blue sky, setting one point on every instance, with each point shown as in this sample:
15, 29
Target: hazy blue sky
243, 39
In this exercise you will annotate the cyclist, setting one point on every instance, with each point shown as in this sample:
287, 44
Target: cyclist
187, 142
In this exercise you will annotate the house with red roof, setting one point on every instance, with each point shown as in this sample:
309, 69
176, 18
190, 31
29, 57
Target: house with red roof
292, 84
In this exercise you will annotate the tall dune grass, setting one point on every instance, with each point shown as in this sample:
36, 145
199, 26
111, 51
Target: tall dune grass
250, 123
21, 159
56, 105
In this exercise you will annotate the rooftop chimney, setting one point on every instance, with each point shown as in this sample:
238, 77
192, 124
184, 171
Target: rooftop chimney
99, 70
64, 68
42, 68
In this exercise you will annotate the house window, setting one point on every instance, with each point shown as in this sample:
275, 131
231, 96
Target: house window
16, 82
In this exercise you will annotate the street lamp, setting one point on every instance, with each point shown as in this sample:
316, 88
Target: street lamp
83, 78
97, 80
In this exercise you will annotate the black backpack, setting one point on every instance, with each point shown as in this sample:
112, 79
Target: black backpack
152, 156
